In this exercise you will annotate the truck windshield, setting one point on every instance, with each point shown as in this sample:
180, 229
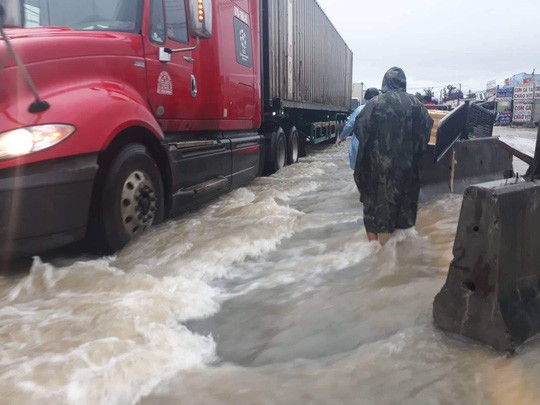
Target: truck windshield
94, 15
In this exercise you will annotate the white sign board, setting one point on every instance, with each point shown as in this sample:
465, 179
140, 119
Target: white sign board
491, 84
522, 111
537, 91
524, 92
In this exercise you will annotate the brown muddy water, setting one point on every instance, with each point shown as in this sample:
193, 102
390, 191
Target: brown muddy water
268, 295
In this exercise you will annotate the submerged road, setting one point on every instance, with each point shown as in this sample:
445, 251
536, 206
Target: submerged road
268, 295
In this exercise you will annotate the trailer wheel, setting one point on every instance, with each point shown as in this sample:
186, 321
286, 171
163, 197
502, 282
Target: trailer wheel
302, 145
292, 146
276, 156
131, 199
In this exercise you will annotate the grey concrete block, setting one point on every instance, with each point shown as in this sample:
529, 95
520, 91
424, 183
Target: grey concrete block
477, 161
492, 290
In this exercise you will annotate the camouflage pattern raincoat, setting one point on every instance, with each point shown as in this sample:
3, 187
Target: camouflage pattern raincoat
393, 131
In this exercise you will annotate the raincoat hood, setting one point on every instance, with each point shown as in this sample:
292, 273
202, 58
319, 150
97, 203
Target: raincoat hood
394, 79
370, 93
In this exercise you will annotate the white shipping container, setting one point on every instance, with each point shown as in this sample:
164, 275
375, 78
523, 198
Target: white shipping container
306, 64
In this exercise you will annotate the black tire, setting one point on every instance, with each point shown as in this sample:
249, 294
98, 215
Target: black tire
302, 146
293, 150
276, 156
130, 199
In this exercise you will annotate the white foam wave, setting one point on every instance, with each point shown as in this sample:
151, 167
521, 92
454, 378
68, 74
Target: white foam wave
110, 330
94, 334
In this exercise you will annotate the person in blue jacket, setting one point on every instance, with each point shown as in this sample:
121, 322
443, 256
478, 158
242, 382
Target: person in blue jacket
348, 129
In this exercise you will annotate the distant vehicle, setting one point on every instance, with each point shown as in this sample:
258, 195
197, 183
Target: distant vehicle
123, 112
355, 103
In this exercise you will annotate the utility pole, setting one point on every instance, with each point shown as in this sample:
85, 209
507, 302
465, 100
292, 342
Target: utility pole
535, 168
533, 105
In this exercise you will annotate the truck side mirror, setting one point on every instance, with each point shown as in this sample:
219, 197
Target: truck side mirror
200, 12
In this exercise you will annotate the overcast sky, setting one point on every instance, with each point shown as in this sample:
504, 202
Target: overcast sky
439, 42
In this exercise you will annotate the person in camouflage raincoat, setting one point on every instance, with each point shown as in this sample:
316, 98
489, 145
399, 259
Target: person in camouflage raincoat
393, 131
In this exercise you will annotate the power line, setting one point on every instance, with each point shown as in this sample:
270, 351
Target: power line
434, 87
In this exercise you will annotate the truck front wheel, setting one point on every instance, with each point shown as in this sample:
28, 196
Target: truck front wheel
131, 199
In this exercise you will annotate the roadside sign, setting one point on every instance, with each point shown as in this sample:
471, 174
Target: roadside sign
524, 92
522, 111
491, 90
505, 94
537, 91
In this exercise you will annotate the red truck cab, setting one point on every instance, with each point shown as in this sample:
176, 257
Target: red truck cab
145, 108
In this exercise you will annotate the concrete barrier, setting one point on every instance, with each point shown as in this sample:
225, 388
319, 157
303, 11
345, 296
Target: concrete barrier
492, 292
467, 162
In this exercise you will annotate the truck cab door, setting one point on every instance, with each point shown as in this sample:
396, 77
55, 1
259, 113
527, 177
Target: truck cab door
202, 160
169, 75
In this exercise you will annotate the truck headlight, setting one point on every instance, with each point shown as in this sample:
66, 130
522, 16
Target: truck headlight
24, 141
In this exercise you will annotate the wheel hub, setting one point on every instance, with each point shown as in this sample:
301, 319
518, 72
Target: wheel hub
138, 205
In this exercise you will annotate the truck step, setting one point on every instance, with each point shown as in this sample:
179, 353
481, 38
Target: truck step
218, 183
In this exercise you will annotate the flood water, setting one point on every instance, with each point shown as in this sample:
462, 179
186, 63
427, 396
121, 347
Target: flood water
271, 294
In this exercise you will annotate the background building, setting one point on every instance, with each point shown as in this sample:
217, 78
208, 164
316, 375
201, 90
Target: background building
518, 100
521, 78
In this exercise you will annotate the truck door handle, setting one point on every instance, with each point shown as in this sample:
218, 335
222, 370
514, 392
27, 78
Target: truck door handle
193, 86
189, 59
